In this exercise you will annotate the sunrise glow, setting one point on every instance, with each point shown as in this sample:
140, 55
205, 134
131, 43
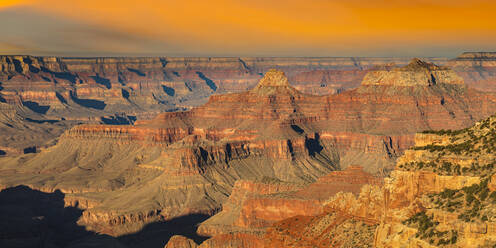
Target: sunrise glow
272, 28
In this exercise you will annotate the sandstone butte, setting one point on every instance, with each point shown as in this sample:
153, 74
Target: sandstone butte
184, 163
70, 91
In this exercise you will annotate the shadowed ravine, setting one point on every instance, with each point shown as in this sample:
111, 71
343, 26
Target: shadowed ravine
31, 218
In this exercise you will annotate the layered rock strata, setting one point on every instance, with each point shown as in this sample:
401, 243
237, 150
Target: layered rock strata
120, 90
254, 206
186, 163
441, 194
478, 69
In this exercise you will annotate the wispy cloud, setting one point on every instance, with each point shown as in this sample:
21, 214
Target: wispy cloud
256, 27
31, 31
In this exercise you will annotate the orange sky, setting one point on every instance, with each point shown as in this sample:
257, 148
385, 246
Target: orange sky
256, 27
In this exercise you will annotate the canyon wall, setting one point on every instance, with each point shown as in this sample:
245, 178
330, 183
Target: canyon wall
175, 83
120, 90
441, 194
188, 162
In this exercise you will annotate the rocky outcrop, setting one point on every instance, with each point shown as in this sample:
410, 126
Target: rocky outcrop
417, 72
178, 241
432, 199
166, 82
254, 206
184, 163
86, 90
445, 179
325, 230
233, 240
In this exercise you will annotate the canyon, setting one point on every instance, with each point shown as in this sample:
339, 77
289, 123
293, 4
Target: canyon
71, 91
254, 156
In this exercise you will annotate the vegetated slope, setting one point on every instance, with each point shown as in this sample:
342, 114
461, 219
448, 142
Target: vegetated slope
441, 194
455, 213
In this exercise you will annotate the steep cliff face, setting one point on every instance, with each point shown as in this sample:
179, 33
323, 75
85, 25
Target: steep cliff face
444, 179
254, 206
441, 194
185, 163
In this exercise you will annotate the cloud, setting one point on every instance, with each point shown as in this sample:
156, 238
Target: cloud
251, 28
30, 31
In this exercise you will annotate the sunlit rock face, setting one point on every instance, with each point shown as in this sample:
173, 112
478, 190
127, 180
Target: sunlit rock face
441, 194
187, 162
417, 72
121, 90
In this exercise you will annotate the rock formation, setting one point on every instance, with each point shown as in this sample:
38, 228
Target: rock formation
477, 69
441, 194
165, 82
120, 90
444, 179
21, 130
185, 163
417, 72
178, 241
254, 206
189, 160
94, 90
325, 230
